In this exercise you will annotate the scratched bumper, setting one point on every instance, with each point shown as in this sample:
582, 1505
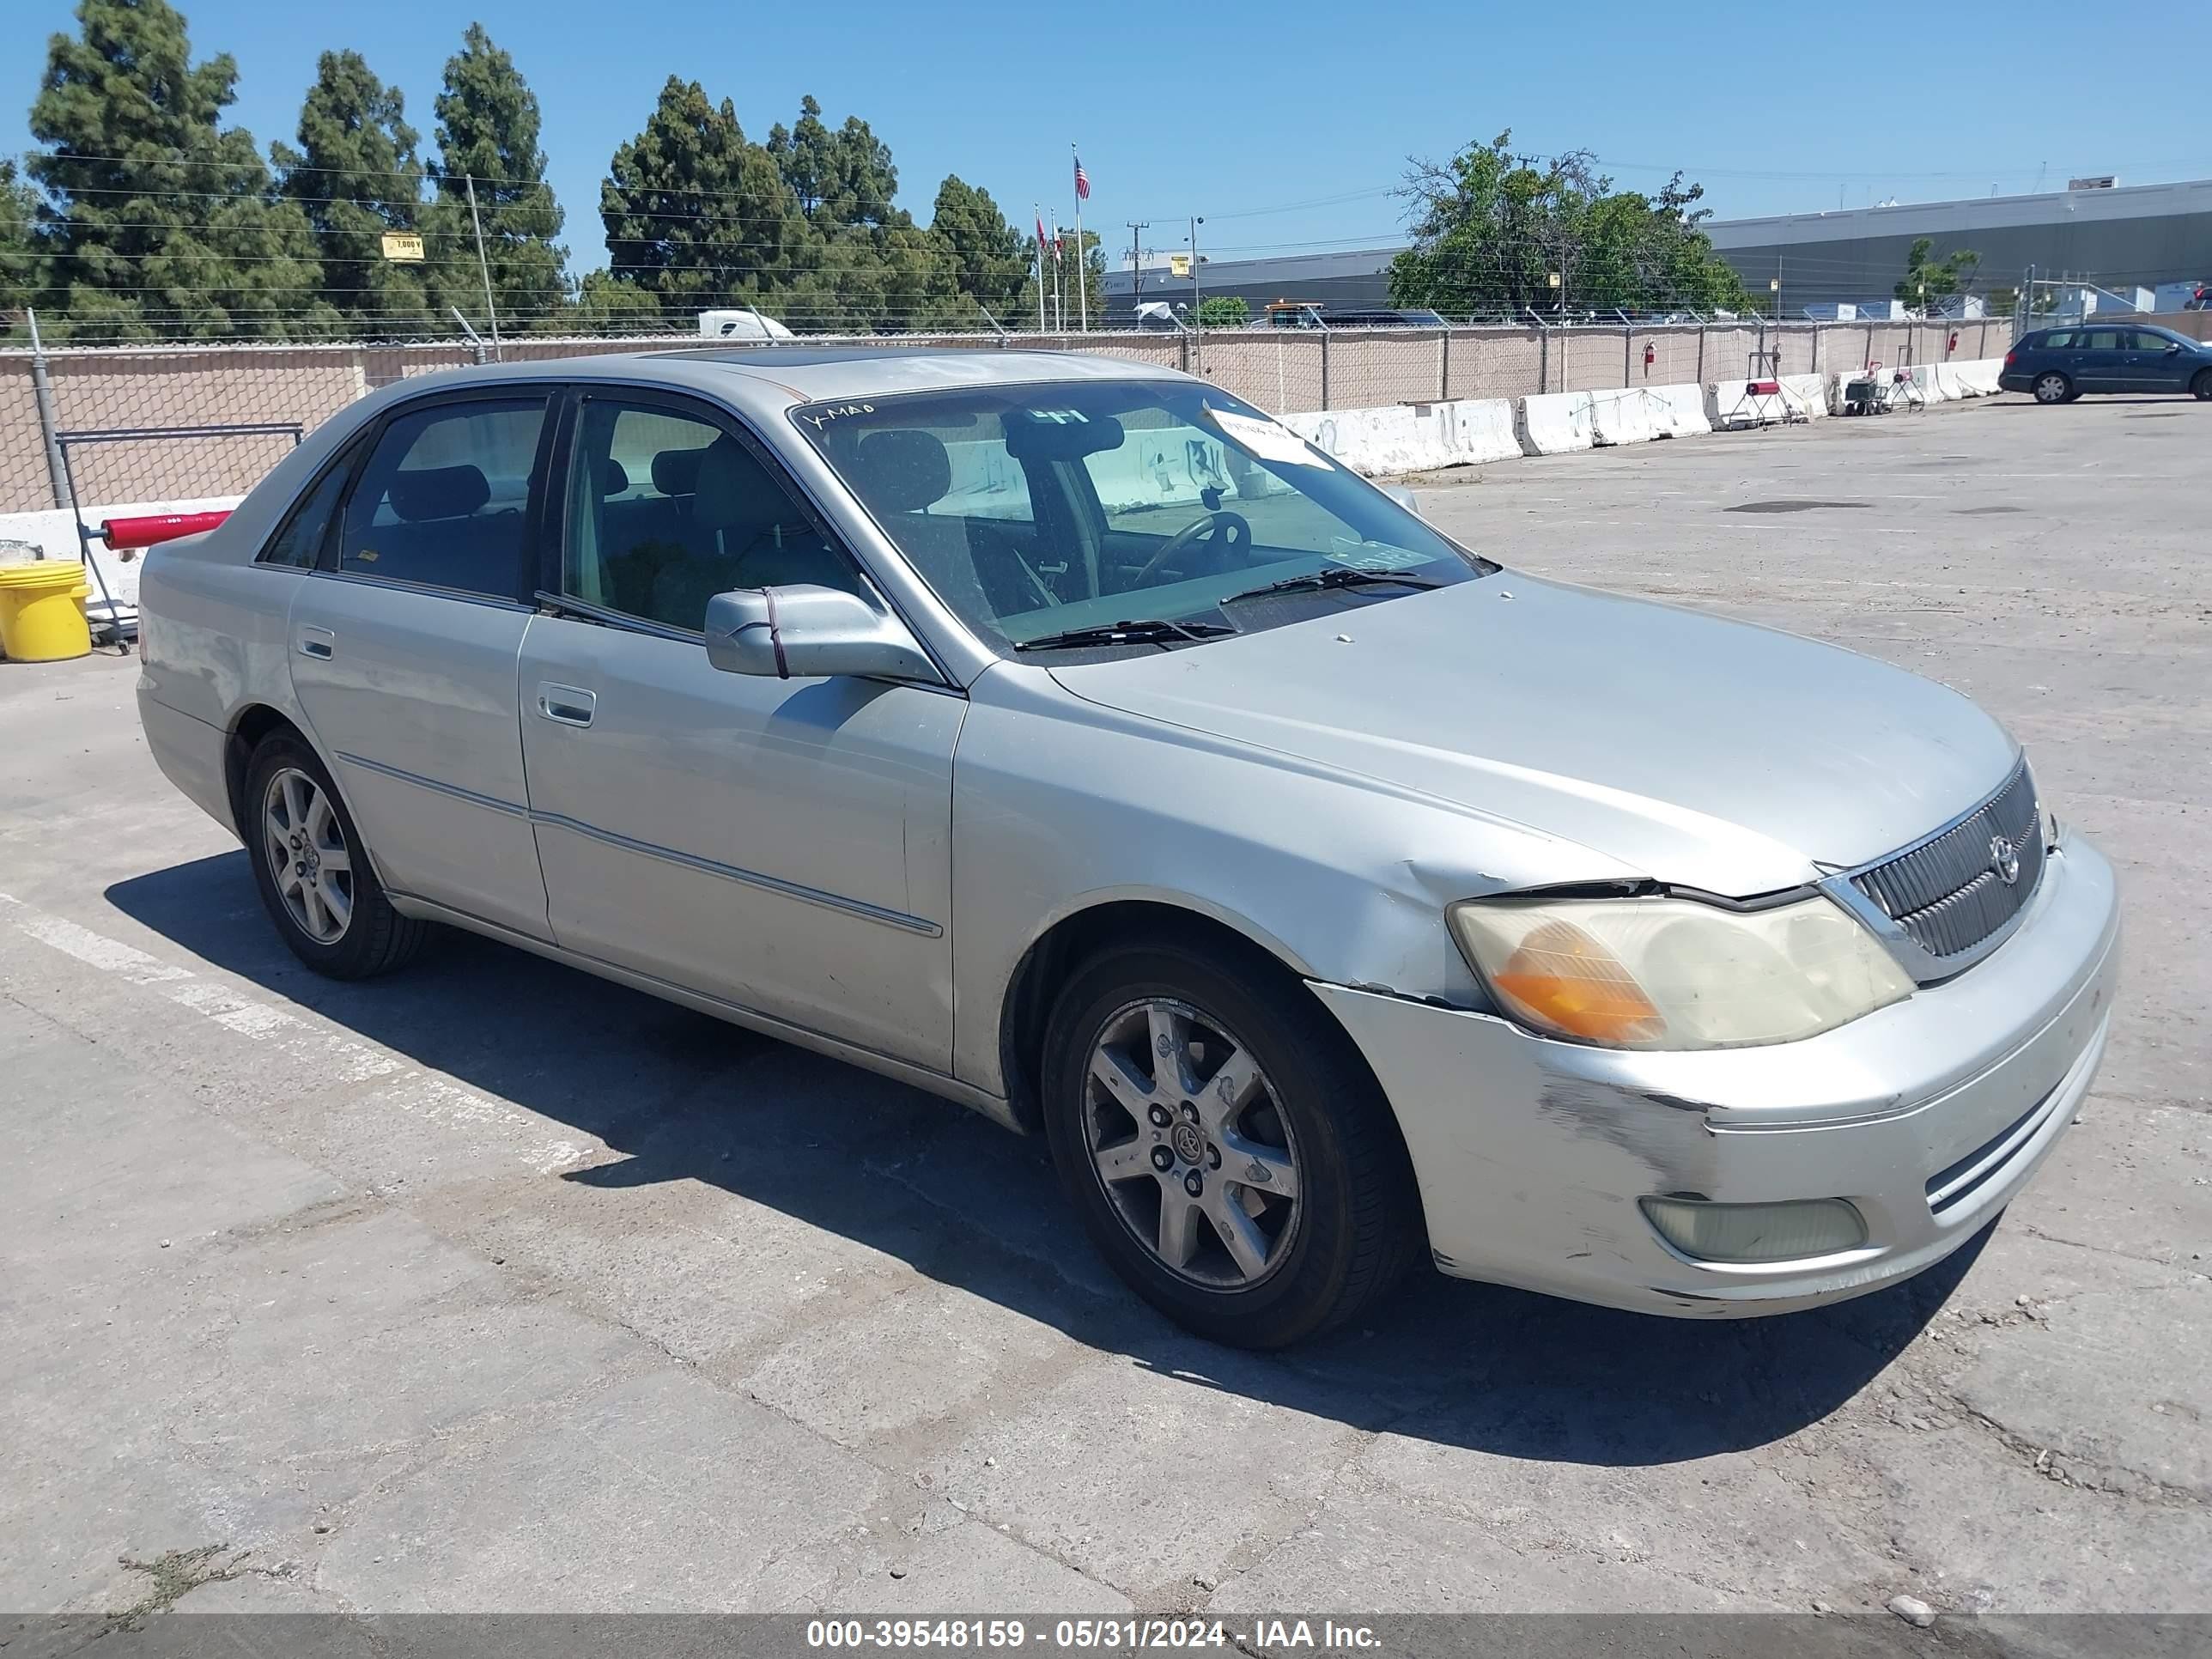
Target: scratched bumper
1929, 1115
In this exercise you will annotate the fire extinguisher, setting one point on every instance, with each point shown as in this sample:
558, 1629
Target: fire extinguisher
1952, 344
1651, 356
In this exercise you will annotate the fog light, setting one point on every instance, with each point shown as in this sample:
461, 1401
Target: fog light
1756, 1232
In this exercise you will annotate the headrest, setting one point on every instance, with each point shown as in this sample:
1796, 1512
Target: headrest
438, 492
676, 471
737, 496
614, 477
902, 470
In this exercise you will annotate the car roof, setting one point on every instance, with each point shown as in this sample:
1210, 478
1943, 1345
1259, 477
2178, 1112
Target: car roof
780, 375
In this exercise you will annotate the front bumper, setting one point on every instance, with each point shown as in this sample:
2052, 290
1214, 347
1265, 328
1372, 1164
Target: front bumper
1928, 1116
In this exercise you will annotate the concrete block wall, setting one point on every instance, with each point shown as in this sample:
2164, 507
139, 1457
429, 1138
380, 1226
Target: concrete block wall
1280, 370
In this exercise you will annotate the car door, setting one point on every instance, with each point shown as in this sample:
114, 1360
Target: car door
783, 845
2156, 362
404, 647
2100, 359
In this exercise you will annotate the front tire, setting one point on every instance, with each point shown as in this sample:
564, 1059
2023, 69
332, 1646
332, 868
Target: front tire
2053, 388
314, 873
1230, 1153
2201, 388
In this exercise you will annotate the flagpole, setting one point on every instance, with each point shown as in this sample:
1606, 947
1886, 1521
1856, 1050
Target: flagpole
1058, 305
1082, 263
1037, 213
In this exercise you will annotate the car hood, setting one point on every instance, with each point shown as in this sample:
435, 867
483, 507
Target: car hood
1686, 749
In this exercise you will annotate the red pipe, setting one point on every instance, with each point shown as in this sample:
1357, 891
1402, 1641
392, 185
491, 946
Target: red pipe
156, 528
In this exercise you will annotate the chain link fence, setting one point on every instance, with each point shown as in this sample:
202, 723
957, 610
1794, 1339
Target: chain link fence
1282, 371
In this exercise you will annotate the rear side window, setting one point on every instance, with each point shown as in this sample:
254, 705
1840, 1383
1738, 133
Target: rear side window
308, 528
444, 498
2102, 339
2057, 340
666, 510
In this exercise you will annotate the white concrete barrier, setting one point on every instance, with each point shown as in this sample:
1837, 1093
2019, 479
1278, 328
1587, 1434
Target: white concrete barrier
1977, 376
1928, 383
1474, 430
1556, 422
1679, 411
1808, 394
1397, 438
1625, 417
54, 530
1731, 404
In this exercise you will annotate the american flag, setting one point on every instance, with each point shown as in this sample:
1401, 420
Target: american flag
1082, 181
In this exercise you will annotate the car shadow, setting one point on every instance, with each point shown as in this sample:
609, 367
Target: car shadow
679, 1096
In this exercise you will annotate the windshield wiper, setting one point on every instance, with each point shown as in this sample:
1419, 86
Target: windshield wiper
1338, 576
1149, 631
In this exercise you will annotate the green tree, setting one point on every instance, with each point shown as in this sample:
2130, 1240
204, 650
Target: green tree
1224, 311
488, 128
841, 177
696, 214
607, 305
991, 259
355, 176
19, 246
159, 221
1492, 225
1927, 278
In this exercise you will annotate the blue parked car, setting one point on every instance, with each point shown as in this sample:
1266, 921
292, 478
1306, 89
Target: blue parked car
2060, 364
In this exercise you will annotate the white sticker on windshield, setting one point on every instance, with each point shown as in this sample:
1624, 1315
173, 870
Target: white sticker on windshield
1374, 556
1264, 440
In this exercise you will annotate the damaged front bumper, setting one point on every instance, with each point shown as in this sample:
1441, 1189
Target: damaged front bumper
1927, 1116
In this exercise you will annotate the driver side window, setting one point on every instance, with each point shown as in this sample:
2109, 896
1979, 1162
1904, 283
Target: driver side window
668, 510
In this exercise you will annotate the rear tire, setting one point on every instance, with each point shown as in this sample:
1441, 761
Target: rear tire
2201, 388
2054, 388
1249, 1183
312, 871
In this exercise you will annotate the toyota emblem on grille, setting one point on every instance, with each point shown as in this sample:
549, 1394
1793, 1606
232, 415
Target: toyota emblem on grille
2004, 859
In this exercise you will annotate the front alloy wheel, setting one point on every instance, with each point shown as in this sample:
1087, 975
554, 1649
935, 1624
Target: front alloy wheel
1190, 1145
1225, 1143
307, 855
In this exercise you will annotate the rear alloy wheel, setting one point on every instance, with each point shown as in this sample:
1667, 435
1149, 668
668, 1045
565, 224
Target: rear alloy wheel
1230, 1153
314, 875
2053, 389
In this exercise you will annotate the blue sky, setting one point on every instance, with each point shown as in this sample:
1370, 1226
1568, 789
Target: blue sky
1285, 124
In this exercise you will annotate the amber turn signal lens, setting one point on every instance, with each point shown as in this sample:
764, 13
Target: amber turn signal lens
1565, 980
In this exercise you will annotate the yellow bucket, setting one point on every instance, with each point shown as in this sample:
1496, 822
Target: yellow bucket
42, 612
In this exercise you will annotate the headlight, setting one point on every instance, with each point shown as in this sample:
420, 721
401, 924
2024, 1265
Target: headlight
1665, 973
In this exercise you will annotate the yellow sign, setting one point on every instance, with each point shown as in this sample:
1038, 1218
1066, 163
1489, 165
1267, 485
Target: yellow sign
1178, 264
403, 247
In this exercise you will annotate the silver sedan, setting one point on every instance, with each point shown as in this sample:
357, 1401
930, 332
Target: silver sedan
1071, 740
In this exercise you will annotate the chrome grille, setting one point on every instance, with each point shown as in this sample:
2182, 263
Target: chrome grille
1948, 894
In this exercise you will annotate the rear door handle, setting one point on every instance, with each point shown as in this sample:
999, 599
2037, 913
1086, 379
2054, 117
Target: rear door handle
318, 642
570, 705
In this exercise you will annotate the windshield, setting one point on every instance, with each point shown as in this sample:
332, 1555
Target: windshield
1037, 512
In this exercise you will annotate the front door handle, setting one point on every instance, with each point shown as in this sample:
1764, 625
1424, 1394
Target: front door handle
570, 705
317, 642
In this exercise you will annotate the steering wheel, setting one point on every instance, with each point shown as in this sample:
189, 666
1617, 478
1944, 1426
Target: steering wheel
1226, 532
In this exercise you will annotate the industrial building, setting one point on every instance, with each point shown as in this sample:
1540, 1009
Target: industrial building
2118, 237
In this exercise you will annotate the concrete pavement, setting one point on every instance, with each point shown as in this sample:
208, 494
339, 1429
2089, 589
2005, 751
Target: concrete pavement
491, 1286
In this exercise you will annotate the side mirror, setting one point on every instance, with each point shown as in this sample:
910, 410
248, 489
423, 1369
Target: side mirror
809, 633
2173, 347
1403, 496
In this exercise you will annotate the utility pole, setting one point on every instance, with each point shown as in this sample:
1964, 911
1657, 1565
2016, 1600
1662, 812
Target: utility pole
1137, 229
42, 399
484, 265
1197, 304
